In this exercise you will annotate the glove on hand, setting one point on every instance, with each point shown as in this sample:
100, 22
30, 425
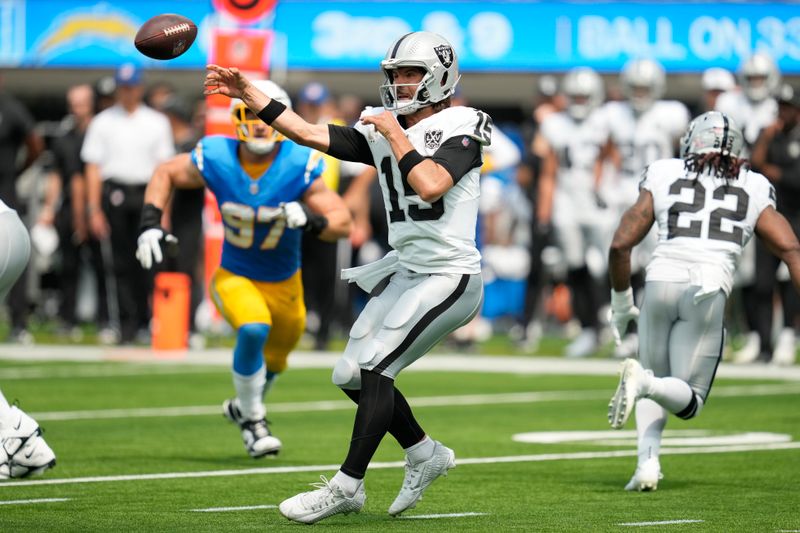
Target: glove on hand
148, 245
299, 216
622, 312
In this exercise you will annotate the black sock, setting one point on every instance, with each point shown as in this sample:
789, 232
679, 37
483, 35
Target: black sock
404, 427
373, 418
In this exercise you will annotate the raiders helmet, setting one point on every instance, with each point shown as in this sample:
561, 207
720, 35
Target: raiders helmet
583, 88
433, 54
712, 132
759, 77
246, 121
643, 81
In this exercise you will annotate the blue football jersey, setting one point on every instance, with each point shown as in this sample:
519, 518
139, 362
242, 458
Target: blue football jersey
258, 245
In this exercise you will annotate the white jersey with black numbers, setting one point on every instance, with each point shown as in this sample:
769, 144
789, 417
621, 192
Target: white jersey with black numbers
577, 145
643, 138
440, 236
751, 117
704, 222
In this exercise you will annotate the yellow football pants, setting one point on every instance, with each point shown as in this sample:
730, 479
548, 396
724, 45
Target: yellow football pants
279, 304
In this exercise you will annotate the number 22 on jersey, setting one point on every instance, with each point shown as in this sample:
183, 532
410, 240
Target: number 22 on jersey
712, 218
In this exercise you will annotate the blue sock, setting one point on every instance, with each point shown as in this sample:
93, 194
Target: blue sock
248, 356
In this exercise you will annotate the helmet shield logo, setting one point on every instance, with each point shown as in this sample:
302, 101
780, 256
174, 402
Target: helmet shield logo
445, 55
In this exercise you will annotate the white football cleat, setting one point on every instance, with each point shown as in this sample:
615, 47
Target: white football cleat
327, 500
419, 476
784, 352
646, 476
258, 441
584, 345
632, 384
749, 352
25, 453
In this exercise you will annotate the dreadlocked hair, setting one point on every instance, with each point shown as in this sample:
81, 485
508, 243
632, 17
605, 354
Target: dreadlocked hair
720, 165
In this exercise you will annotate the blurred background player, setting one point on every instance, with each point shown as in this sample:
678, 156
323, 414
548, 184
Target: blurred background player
707, 205
122, 147
776, 153
576, 140
23, 451
20, 145
642, 128
269, 195
715, 81
753, 108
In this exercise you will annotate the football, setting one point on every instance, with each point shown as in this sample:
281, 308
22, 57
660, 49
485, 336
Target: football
165, 36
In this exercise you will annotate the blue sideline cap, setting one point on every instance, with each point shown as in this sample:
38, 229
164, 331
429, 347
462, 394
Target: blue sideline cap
314, 93
128, 74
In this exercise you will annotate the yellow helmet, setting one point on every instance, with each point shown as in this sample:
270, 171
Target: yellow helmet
258, 137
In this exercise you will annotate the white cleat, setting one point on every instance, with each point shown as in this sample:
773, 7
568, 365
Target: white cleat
327, 500
24, 452
632, 379
419, 476
784, 352
749, 352
258, 441
584, 345
646, 477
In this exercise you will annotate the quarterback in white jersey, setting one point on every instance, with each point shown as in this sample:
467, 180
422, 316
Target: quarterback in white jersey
23, 451
707, 205
428, 156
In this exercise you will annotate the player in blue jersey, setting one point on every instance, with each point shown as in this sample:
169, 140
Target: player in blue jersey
268, 194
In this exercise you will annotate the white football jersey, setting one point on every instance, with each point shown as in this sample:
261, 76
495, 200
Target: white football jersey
438, 237
751, 117
642, 139
577, 146
4, 208
704, 222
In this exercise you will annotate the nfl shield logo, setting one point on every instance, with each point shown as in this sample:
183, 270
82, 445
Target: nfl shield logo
433, 138
445, 55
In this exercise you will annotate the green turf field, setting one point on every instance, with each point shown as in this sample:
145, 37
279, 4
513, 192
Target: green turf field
144, 447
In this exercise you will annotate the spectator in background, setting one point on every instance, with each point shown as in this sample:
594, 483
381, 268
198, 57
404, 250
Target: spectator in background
123, 145
776, 154
320, 259
548, 101
185, 211
104, 93
16, 133
715, 81
752, 108
65, 203
158, 93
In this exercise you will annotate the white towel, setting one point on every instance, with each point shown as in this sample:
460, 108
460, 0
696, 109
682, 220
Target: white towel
369, 275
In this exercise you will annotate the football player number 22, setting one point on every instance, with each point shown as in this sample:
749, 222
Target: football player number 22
695, 227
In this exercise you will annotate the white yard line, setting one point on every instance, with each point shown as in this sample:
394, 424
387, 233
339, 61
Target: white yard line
28, 502
446, 515
661, 523
228, 509
429, 401
400, 464
432, 362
